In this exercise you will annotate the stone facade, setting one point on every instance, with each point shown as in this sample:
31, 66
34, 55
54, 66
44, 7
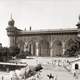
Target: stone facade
41, 43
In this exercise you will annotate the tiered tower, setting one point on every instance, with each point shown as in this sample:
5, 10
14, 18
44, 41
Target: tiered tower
78, 27
12, 32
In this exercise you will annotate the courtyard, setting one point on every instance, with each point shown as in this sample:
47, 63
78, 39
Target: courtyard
50, 66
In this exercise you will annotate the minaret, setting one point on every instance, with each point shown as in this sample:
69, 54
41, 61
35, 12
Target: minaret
30, 28
78, 24
11, 32
78, 27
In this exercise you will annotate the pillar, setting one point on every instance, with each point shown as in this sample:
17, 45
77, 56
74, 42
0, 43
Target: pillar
51, 50
12, 41
63, 46
37, 49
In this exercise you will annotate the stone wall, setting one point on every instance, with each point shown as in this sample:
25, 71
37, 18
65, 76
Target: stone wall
45, 45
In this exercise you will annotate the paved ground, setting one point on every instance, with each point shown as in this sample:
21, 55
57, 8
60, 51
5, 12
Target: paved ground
58, 72
48, 67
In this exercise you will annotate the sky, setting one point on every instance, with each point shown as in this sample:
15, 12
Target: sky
39, 14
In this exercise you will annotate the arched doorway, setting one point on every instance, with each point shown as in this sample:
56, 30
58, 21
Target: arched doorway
57, 48
44, 48
76, 66
30, 47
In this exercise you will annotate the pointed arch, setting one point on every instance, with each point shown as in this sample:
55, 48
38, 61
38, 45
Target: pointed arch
44, 48
57, 49
30, 47
20, 44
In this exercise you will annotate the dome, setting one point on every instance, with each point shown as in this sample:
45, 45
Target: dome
11, 22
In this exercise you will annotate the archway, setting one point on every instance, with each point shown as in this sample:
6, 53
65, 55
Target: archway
30, 47
20, 45
44, 48
57, 48
76, 66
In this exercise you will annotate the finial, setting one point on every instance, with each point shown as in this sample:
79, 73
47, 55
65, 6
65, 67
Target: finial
11, 16
79, 17
30, 28
25, 29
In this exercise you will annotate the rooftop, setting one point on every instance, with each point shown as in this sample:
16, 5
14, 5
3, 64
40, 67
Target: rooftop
49, 31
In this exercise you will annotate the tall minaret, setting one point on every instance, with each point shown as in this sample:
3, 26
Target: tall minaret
78, 24
78, 27
11, 32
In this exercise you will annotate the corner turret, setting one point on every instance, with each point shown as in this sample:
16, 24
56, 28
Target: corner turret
78, 24
12, 32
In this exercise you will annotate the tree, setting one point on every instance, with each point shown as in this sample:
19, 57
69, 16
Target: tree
7, 53
74, 49
14, 51
3, 54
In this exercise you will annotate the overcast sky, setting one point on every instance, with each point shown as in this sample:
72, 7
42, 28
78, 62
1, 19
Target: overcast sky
40, 14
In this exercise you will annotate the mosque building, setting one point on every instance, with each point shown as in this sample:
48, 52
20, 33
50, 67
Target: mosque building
42, 42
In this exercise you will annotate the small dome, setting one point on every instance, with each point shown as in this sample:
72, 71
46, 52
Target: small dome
11, 22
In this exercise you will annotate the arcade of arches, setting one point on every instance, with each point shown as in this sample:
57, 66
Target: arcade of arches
45, 48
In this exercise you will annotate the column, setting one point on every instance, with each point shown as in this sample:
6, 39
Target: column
51, 50
63, 46
12, 41
37, 49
